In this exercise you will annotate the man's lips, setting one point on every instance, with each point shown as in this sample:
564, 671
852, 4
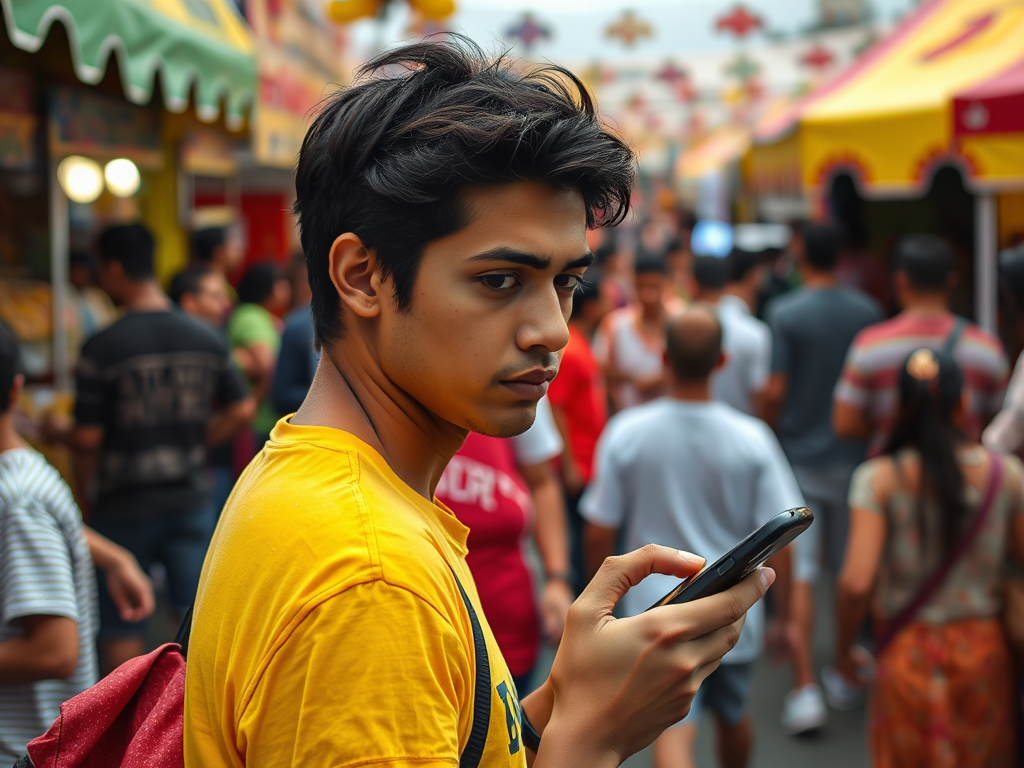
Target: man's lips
532, 384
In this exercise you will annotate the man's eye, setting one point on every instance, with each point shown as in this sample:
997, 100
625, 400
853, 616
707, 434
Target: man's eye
567, 282
498, 282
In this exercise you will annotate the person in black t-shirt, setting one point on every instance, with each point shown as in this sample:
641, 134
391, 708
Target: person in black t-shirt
147, 391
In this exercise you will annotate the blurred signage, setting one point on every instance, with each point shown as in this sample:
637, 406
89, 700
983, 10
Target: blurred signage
300, 55
103, 127
17, 120
208, 153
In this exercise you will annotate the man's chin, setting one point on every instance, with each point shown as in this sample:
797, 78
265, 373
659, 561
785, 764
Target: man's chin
506, 422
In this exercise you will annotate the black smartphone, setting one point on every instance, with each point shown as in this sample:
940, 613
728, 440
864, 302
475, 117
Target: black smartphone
735, 565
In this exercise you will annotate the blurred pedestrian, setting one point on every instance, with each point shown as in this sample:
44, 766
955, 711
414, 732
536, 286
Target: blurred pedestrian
1006, 432
96, 310
202, 293
745, 279
812, 328
219, 248
298, 358
505, 490
688, 472
866, 397
48, 612
933, 522
630, 343
579, 403
254, 326
144, 414
742, 380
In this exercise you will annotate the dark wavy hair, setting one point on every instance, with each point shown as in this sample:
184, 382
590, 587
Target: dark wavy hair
387, 158
930, 387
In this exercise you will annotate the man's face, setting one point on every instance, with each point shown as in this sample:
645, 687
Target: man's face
487, 321
210, 301
650, 287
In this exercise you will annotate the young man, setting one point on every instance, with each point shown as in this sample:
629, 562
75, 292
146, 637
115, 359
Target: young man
742, 380
630, 343
812, 328
443, 206
219, 248
696, 474
48, 618
865, 399
144, 414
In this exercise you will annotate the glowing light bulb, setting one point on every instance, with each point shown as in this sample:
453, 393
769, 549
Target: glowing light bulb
122, 177
80, 178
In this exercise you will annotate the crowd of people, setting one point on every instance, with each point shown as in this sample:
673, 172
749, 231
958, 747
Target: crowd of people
697, 395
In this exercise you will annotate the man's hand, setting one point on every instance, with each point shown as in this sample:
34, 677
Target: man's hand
618, 683
131, 590
554, 607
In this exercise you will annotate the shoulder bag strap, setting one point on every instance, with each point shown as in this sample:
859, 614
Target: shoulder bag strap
959, 325
481, 690
936, 580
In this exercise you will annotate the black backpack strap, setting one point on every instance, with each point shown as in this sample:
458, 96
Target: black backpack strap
185, 631
954, 335
482, 689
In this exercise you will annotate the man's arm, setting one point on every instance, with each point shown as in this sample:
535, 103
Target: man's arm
47, 650
774, 397
129, 586
553, 545
225, 423
599, 545
85, 442
850, 421
572, 476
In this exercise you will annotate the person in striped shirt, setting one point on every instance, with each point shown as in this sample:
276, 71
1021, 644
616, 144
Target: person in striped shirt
48, 612
866, 397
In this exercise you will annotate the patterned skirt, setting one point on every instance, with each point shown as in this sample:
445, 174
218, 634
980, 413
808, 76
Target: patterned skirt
945, 697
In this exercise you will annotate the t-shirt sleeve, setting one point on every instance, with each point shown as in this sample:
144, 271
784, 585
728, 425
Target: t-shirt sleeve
36, 572
777, 489
542, 441
323, 700
89, 389
250, 326
854, 383
605, 500
862, 489
230, 384
761, 361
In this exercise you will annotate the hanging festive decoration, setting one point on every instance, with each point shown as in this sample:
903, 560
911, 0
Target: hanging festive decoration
629, 29
743, 68
347, 11
595, 76
678, 79
819, 58
528, 31
739, 22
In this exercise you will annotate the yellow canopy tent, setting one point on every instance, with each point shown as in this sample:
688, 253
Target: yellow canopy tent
890, 123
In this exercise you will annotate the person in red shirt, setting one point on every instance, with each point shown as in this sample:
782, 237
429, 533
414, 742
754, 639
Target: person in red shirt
579, 403
504, 490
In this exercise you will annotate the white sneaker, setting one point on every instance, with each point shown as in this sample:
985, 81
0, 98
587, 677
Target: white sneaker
840, 693
804, 710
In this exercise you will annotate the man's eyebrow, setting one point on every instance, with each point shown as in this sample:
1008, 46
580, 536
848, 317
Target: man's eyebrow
503, 253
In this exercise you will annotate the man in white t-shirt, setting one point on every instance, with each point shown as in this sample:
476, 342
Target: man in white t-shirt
747, 341
685, 471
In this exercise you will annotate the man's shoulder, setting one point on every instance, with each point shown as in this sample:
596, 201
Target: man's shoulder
132, 334
28, 480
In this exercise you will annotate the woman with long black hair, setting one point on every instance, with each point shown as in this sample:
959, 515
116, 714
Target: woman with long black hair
933, 524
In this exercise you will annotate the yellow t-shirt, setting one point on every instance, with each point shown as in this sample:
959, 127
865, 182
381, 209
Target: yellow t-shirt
328, 628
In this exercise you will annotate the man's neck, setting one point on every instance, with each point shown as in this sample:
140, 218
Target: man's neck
741, 292
9, 438
692, 391
147, 297
708, 297
358, 398
814, 278
927, 304
652, 314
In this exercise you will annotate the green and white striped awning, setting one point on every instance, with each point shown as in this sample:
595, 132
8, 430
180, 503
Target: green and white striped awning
200, 46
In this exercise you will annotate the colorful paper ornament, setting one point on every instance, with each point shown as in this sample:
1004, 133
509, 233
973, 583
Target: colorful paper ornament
630, 29
739, 22
528, 31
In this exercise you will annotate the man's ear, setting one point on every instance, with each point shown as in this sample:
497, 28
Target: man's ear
723, 360
353, 270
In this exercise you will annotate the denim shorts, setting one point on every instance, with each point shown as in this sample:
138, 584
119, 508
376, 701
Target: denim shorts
724, 692
169, 530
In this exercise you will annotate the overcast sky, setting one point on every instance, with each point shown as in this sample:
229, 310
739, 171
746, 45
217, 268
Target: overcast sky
681, 26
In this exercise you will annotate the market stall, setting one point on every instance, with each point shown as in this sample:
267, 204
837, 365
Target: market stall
89, 150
